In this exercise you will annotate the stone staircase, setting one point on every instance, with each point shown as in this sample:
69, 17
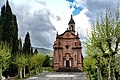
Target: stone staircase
69, 69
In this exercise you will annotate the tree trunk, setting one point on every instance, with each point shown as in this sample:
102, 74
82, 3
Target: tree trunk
87, 77
111, 71
89, 73
0, 73
29, 71
24, 72
39, 68
20, 72
99, 74
111, 74
112, 77
36, 71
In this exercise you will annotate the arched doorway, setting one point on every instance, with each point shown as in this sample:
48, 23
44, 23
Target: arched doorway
67, 60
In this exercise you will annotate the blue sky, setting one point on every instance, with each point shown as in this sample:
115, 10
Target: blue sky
43, 18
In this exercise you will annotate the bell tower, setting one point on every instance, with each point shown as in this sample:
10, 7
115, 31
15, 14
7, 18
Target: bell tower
71, 25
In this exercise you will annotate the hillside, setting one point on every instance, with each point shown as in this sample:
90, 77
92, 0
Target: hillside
44, 51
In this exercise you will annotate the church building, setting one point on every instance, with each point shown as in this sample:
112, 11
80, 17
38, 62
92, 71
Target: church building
68, 50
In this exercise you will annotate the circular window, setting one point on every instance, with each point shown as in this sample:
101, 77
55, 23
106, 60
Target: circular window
67, 46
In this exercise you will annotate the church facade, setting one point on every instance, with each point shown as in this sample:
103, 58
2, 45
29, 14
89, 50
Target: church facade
68, 50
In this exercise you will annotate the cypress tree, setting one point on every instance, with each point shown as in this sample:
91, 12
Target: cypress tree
20, 44
27, 44
15, 35
36, 51
0, 27
7, 24
9, 32
2, 23
9, 28
32, 50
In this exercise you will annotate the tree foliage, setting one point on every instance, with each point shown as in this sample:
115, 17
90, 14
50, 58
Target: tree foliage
27, 44
46, 62
8, 27
21, 61
20, 56
36, 51
104, 42
4, 54
37, 61
89, 66
4, 57
20, 44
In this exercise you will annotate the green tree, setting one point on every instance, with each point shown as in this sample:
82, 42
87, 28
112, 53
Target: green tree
7, 23
21, 61
9, 31
20, 44
89, 65
8, 27
29, 63
0, 27
99, 61
117, 66
34, 62
4, 57
27, 44
15, 35
31, 51
105, 39
46, 62
37, 61
3, 15
36, 51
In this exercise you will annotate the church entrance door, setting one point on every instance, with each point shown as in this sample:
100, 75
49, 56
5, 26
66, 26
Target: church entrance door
67, 63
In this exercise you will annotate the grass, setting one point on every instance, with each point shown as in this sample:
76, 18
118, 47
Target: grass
49, 69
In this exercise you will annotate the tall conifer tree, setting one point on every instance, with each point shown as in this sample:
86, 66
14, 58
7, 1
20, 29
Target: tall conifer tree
15, 35
0, 27
27, 44
7, 24
20, 44
2, 23
8, 27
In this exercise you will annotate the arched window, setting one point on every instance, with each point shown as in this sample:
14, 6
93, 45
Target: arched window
59, 44
72, 27
75, 43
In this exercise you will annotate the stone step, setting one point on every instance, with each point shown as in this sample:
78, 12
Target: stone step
68, 70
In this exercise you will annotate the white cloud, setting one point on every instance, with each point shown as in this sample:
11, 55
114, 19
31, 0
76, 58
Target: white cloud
35, 17
30, 12
56, 15
41, 17
82, 23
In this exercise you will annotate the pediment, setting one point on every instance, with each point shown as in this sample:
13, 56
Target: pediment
67, 34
